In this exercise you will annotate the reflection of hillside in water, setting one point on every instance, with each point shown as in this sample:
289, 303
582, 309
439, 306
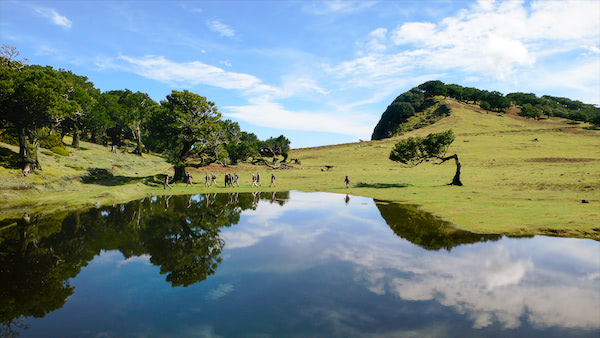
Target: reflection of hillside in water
181, 234
426, 230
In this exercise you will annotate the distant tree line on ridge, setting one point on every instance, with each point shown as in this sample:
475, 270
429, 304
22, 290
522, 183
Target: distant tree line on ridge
39, 105
422, 97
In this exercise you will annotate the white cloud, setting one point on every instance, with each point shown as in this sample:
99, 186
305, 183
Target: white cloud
486, 286
415, 32
500, 41
581, 78
143, 259
262, 110
220, 291
271, 114
53, 15
191, 73
376, 42
221, 28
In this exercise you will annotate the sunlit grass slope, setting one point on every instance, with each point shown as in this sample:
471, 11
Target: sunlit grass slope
68, 180
521, 177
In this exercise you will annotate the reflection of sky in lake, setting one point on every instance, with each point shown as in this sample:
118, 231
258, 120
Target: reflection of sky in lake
317, 266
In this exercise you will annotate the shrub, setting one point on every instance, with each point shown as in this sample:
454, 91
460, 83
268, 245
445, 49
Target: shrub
485, 105
50, 141
60, 150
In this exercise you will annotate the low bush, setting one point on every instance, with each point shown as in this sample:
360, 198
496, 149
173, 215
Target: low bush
60, 151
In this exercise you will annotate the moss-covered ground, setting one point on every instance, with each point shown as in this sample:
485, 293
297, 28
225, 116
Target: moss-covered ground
521, 177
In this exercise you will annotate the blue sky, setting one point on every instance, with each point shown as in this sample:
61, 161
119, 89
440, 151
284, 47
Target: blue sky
319, 72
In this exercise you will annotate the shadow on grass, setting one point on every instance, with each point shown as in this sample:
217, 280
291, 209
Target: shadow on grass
382, 185
9, 159
106, 177
78, 148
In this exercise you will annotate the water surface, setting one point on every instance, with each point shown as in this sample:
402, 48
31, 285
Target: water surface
287, 264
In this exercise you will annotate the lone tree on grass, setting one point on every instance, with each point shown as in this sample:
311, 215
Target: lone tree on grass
415, 150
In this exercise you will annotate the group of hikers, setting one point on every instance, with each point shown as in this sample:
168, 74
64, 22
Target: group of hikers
232, 180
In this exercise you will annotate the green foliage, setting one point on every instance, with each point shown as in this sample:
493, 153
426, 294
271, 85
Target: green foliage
187, 125
33, 98
433, 88
49, 140
60, 150
414, 150
414, 96
496, 100
528, 110
273, 147
242, 151
455, 91
394, 115
595, 120
485, 105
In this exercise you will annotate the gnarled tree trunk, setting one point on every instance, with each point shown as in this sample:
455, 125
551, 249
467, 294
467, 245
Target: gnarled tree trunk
456, 179
75, 143
137, 134
179, 173
28, 152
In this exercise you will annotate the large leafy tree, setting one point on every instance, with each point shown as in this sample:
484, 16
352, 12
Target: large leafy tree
101, 118
32, 98
275, 146
136, 108
187, 125
416, 150
85, 94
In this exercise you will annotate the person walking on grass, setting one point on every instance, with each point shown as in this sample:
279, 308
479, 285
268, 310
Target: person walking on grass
258, 179
235, 180
167, 182
207, 183
254, 181
347, 181
214, 179
188, 179
272, 180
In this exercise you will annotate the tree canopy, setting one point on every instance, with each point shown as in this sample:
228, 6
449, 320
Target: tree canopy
416, 150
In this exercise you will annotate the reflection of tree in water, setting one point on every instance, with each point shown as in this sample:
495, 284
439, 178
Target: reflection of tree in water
426, 230
38, 255
33, 278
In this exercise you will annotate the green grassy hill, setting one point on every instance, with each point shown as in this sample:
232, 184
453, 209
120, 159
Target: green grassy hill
521, 176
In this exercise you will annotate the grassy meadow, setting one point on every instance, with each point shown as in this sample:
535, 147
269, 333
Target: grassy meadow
521, 177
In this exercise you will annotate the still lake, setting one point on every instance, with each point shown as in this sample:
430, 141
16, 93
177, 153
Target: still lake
286, 264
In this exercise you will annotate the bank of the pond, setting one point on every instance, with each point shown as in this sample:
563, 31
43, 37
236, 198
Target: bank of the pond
521, 177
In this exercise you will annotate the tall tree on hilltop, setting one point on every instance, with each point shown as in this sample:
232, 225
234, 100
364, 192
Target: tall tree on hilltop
416, 150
